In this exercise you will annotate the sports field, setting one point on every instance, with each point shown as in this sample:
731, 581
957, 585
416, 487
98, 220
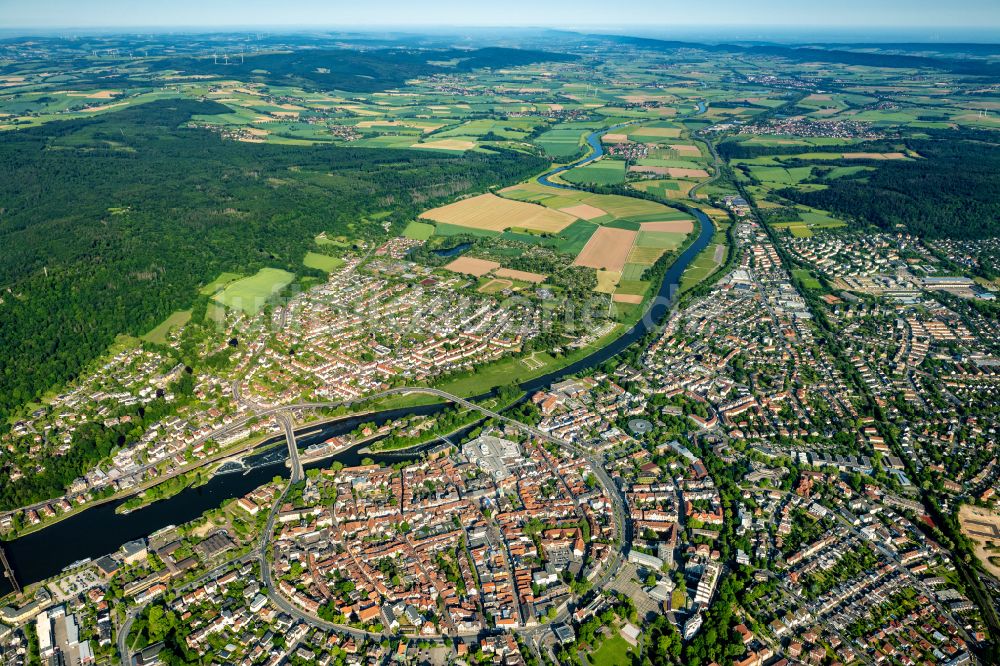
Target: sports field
607, 249
251, 293
490, 212
495, 285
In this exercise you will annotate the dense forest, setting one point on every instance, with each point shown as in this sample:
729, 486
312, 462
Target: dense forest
344, 69
109, 224
951, 191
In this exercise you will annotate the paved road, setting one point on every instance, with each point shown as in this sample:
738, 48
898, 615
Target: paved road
123, 652
293, 448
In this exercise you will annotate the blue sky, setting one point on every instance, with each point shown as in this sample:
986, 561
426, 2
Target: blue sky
924, 14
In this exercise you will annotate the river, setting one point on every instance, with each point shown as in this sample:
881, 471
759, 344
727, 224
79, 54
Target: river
99, 530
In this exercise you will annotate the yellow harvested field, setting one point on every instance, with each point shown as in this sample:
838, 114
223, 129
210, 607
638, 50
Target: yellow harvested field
615, 138
714, 213
100, 94
874, 156
607, 249
523, 276
607, 281
627, 298
397, 123
641, 99
673, 226
490, 212
685, 148
472, 266
584, 211
447, 144
646, 256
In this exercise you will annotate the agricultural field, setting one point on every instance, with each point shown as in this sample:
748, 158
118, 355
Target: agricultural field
665, 188
600, 172
563, 141
608, 249
472, 266
492, 213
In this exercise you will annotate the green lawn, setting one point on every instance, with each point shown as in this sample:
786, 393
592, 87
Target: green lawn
614, 651
218, 283
418, 230
159, 334
323, 262
251, 293
808, 281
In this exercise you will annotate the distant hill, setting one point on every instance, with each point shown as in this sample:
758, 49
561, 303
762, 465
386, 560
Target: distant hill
352, 70
966, 66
